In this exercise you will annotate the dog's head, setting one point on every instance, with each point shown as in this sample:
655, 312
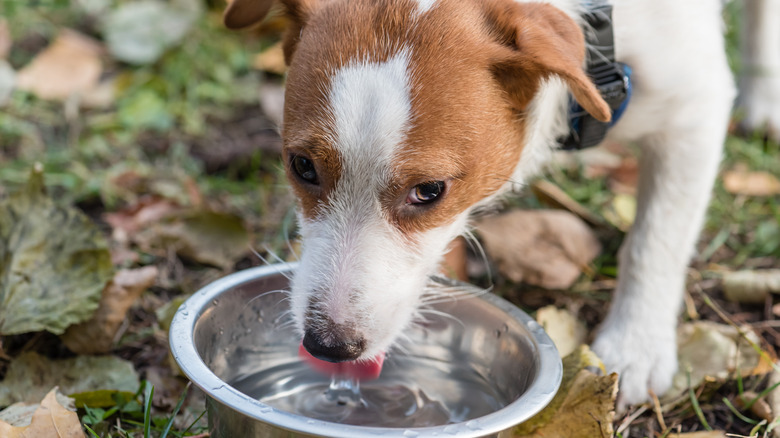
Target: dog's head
400, 117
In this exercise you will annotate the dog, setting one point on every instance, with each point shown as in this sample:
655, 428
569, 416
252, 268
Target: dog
402, 117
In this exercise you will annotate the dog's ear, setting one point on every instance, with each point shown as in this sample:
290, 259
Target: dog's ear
537, 41
243, 13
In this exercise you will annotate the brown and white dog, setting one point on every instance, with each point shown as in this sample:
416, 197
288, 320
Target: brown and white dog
404, 116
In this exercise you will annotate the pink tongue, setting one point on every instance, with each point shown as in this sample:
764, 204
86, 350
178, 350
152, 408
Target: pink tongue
363, 370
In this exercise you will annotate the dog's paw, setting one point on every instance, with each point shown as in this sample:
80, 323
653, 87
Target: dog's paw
644, 357
760, 103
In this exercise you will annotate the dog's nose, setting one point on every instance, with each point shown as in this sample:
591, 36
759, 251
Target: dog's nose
340, 351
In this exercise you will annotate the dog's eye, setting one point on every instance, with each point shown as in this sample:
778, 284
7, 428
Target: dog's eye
304, 168
425, 193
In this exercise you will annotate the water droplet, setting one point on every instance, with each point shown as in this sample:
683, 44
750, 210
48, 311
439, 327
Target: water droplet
310, 421
506, 328
411, 433
183, 312
215, 302
265, 410
498, 333
533, 325
451, 429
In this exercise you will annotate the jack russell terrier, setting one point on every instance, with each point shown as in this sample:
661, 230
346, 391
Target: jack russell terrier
404, 116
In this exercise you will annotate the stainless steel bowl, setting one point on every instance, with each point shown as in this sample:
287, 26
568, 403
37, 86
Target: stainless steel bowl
236, 326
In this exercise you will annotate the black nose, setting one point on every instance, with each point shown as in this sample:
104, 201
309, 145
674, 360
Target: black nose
339, 351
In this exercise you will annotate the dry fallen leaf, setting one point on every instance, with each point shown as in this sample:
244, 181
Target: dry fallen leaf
51, 279
146, 211
547, 248
566, 331
97, 334
743, 182
50, 420
208, 237
751, 286
30, 376
711, 351
70, 65
584, 406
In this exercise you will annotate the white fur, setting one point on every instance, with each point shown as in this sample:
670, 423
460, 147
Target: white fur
358, 263
424, 6
760, 77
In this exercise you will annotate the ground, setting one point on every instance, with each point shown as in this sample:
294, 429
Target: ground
180, 131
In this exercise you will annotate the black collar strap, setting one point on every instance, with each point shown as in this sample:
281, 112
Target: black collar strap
612, 79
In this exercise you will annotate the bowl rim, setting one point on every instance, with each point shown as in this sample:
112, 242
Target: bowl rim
182, 344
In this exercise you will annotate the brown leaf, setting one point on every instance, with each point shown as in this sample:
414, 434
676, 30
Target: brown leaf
547, 248
201, 235
70, 65
743, 182
97, 334
50, 420
207, 237
584, 406
145, 212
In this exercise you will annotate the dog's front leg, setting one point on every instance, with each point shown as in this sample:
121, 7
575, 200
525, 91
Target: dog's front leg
638, 337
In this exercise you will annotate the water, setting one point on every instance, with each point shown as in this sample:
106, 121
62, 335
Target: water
421, 392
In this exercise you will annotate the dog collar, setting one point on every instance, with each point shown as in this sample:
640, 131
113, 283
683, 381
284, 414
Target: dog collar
612, 79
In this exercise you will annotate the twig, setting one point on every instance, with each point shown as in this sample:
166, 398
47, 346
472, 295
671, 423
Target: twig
657, 409
630, 419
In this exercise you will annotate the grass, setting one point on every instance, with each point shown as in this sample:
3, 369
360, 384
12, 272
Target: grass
137, 417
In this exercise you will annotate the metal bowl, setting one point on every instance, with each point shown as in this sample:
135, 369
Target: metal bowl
238, 326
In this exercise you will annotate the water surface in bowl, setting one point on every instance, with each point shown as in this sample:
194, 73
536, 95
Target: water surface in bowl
419, 392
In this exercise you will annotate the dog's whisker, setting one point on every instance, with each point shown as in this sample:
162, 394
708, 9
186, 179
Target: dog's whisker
287, 240
441, 314
279, 271
477, 247
264, 294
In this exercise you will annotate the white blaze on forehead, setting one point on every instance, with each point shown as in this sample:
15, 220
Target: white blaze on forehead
371, 107
424, 6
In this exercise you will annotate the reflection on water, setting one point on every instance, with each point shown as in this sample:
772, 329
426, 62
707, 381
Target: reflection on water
421, 393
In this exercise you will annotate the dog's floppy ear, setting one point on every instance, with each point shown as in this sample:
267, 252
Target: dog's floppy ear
243, 13
539, 40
